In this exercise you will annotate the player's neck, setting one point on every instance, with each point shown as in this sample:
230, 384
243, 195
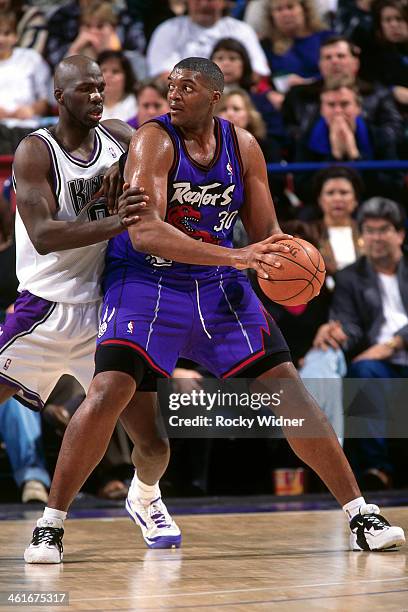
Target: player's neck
72, 138
201, 133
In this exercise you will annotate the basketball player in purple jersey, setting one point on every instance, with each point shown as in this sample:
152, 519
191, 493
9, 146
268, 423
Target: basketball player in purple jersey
173, 287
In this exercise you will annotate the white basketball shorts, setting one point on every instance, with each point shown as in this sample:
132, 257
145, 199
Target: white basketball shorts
43, 340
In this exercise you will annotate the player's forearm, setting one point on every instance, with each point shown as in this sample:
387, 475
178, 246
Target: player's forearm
63, 235
159, 238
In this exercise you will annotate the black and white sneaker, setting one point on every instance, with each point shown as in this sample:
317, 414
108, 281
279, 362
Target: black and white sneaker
46, 544
371, 531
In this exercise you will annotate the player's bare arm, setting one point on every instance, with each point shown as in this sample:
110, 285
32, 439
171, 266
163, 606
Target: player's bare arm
37, 205
258, 212
149, 162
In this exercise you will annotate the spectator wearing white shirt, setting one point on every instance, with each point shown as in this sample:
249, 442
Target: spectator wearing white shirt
195, 35
24, 76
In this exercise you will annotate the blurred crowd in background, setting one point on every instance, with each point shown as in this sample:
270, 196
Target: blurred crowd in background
322, 81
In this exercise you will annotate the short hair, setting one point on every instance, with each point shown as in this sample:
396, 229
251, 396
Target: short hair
338, 172
211, 72
99, 10
382, 208
231, 44
333, 40
156, 84
130, 79
339, 83
10, 18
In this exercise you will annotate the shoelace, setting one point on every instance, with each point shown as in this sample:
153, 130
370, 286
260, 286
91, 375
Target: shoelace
158, 516
49, 535
375, 520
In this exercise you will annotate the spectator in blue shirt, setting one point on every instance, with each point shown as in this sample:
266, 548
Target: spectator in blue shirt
293, 45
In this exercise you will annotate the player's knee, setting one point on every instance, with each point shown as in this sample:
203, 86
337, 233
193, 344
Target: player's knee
155, 448
110, 391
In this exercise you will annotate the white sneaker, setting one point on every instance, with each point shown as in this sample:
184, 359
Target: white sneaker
371, 531
46, 543
158, 528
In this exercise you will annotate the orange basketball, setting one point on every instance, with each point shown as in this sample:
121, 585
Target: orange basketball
300, 277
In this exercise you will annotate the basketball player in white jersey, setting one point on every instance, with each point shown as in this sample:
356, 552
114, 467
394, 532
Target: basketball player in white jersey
61, 234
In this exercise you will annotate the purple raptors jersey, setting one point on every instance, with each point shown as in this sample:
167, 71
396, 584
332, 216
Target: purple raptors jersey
202, 202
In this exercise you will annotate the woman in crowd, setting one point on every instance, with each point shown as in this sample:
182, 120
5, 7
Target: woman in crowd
386, 60
151, 102
25, 81
338, 190
236, 106
120, 99
292, 46
232, 58
97, 31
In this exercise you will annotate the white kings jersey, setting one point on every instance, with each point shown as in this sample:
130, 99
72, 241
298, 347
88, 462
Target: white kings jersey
71, 276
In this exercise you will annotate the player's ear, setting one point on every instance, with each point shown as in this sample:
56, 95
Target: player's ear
216, 97
59, 95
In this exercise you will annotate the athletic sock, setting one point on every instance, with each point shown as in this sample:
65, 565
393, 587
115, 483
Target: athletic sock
352, 507
144, 492
51, 514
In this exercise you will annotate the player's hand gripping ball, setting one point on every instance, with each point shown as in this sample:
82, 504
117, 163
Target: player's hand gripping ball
300, 276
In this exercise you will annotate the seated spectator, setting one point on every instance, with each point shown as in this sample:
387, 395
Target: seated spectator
20, 430
31, 24
151, 101
257, 13
335, 234
195, 34
370, 324
24, 77
338, 190
339, 59
387, 60
97, 31
232, 58
341, 133
64, 25
292, 46
237, 107
120, 99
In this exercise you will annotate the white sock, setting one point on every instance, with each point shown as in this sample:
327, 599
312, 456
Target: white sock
144, 492
51, 514
353, 506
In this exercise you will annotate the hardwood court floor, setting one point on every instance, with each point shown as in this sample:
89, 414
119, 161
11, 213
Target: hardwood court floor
239, 562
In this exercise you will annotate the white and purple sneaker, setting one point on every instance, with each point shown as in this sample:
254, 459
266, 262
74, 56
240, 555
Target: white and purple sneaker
158, 528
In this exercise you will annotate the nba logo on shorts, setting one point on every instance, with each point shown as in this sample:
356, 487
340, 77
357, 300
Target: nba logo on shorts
113, 152
130, 327
7, 364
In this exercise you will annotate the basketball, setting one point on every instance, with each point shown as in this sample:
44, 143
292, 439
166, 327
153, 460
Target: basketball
300, 277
